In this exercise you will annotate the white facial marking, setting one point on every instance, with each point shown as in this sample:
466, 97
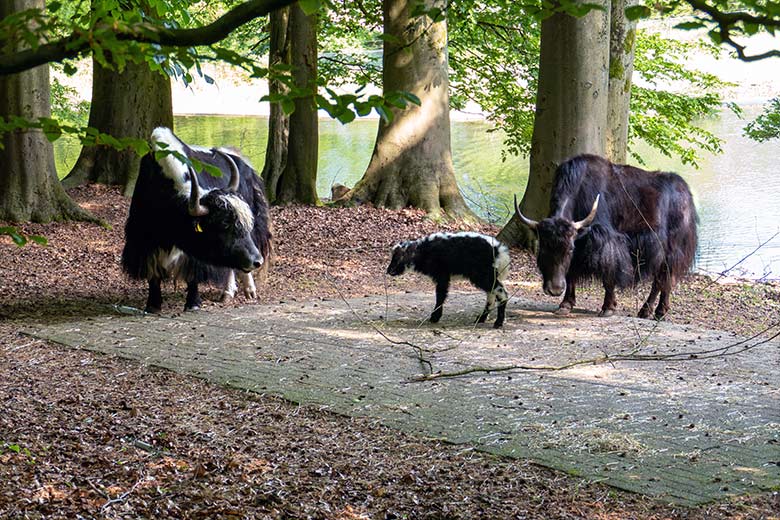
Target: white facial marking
245, 218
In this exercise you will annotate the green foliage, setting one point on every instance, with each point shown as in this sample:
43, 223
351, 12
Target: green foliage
664, 118
767, 125
65, 105
493, 58
20, 239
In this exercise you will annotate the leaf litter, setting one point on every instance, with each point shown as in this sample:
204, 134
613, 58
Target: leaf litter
84, 435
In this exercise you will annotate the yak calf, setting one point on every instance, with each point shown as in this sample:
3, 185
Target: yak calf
482, 260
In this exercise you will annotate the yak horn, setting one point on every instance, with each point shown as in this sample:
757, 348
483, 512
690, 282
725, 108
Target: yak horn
196, 208
234, 177
587, 221
527, 221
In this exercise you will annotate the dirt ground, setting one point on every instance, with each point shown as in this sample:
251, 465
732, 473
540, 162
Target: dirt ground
90, 436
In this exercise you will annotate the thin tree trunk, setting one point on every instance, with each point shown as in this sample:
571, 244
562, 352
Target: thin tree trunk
278, 122
130, 103
621, 70
298, 182
412, 160
29, 187
571, 108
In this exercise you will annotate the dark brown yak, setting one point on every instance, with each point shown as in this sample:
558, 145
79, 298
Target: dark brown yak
618, 224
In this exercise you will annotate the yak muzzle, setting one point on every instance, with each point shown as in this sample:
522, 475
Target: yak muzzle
552, 288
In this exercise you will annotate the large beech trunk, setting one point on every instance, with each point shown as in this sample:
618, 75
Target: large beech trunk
571, 108
29, 187
412, 161
621, 69
278, 121
130, 103
298, 180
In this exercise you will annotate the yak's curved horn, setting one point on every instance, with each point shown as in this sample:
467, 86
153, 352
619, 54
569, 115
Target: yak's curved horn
527, 221
234, 177
196, 208
587, 221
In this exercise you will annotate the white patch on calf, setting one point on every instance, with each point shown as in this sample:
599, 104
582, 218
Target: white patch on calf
231, 288
502, 261
448, 236
248, 282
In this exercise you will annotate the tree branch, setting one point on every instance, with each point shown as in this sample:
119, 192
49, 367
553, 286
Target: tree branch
727, 21
79, 42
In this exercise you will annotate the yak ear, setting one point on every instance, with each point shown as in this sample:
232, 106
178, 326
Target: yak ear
587, 221
527, 221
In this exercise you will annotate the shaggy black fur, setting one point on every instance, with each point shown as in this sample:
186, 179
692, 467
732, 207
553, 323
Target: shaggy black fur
162, 238
479, 258
644, 228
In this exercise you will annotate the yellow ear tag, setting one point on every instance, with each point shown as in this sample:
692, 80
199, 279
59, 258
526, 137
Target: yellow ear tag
198, 229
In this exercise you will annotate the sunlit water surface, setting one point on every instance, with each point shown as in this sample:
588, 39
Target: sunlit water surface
737, 192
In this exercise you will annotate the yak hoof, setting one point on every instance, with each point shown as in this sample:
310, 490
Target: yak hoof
562, 311
498, 325
225, 296
250, 294
644, 313
195, 307
482, 318
606, 313
152, 310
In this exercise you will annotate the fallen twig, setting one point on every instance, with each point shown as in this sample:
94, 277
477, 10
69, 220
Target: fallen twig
632, 356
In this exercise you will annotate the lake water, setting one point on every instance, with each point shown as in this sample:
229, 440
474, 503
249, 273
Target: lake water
737, 193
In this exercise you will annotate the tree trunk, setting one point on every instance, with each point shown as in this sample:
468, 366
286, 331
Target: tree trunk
130, 103
278, 122
571, 108
298, 182
621, 69
412, 160
29, 187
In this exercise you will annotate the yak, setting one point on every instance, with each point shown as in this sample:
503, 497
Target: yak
481, 259
193, 226
618, 224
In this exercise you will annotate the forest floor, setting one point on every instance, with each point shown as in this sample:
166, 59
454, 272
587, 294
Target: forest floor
84, 435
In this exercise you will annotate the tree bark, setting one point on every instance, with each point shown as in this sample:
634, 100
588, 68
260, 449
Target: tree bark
621, 69
130, 103
278, 121
411, 164
298, 181
29, 187
571, 108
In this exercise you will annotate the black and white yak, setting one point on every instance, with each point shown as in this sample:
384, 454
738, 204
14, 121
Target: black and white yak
618, 224
481, 259
194, 226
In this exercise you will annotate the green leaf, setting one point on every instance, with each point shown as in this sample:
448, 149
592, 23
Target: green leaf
346, 116
635, 12
288, 106
309, 7
688, 26
386, 116
39, 240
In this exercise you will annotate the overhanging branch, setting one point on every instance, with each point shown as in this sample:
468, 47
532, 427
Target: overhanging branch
727, 21
77, 44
